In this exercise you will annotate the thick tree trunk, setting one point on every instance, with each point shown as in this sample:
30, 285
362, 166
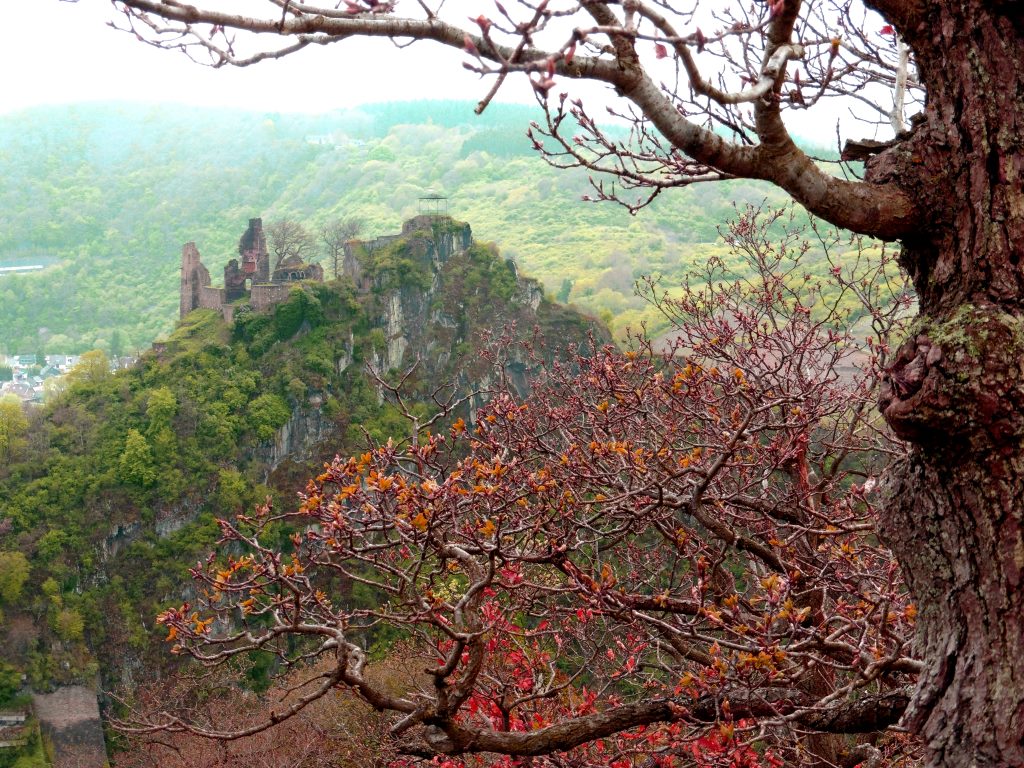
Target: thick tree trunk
959, 534
956, 388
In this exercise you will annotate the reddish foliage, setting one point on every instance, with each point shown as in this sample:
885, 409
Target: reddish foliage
659, 557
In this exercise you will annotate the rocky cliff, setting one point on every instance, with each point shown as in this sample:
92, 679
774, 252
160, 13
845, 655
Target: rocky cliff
429, 294
118, 491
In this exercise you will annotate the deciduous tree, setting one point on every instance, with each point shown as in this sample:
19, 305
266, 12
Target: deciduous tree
658, 557
707, 88
290, 241
334, 235
93, 367
13, 425
136, 463
14, 572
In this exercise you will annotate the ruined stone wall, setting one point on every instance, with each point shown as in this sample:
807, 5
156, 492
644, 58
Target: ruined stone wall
266, 296
253, 247
70, 718
211, 298
380, 242
197, 292
234, 281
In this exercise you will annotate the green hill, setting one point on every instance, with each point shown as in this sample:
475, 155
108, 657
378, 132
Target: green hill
107, 194
115, 487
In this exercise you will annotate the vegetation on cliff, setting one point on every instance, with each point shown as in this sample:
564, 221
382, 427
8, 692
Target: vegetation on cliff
116, 487
105, 195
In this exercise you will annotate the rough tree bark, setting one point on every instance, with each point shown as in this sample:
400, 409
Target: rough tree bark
956, 390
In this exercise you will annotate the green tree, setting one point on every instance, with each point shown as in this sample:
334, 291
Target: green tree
267, 414
161, 407
233, 491
93, 368
136, 464
13, 426
116, 343
10, 683
69, 625
14, 572
564, 291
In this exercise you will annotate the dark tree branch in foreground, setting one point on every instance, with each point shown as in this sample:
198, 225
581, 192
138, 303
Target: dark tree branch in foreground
503, 44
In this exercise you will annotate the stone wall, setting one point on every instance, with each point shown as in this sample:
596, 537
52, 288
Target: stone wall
267, 289
234, 281
211, 298
444, 239
266, 296
194, 276
252, 248
70, 718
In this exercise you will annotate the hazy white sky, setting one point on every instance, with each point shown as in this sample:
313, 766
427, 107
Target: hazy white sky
53, 52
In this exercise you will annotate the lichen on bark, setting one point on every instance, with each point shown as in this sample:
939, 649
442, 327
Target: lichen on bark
961, 377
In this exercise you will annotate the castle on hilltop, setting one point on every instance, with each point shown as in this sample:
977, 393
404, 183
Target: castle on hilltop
253, 278
431, 238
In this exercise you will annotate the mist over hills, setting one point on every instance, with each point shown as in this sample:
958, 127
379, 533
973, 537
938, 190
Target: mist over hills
105, 195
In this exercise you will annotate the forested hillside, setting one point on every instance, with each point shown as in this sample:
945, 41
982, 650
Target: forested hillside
113, 491
105, 196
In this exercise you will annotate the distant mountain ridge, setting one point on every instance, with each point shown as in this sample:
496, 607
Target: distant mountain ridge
113, 190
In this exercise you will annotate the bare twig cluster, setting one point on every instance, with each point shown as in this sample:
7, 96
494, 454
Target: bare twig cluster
660, 552
705, 88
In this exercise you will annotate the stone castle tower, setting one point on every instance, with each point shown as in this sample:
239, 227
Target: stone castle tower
194, 276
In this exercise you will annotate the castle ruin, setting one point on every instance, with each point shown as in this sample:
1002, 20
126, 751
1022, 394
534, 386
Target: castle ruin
252, 278
431, 238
